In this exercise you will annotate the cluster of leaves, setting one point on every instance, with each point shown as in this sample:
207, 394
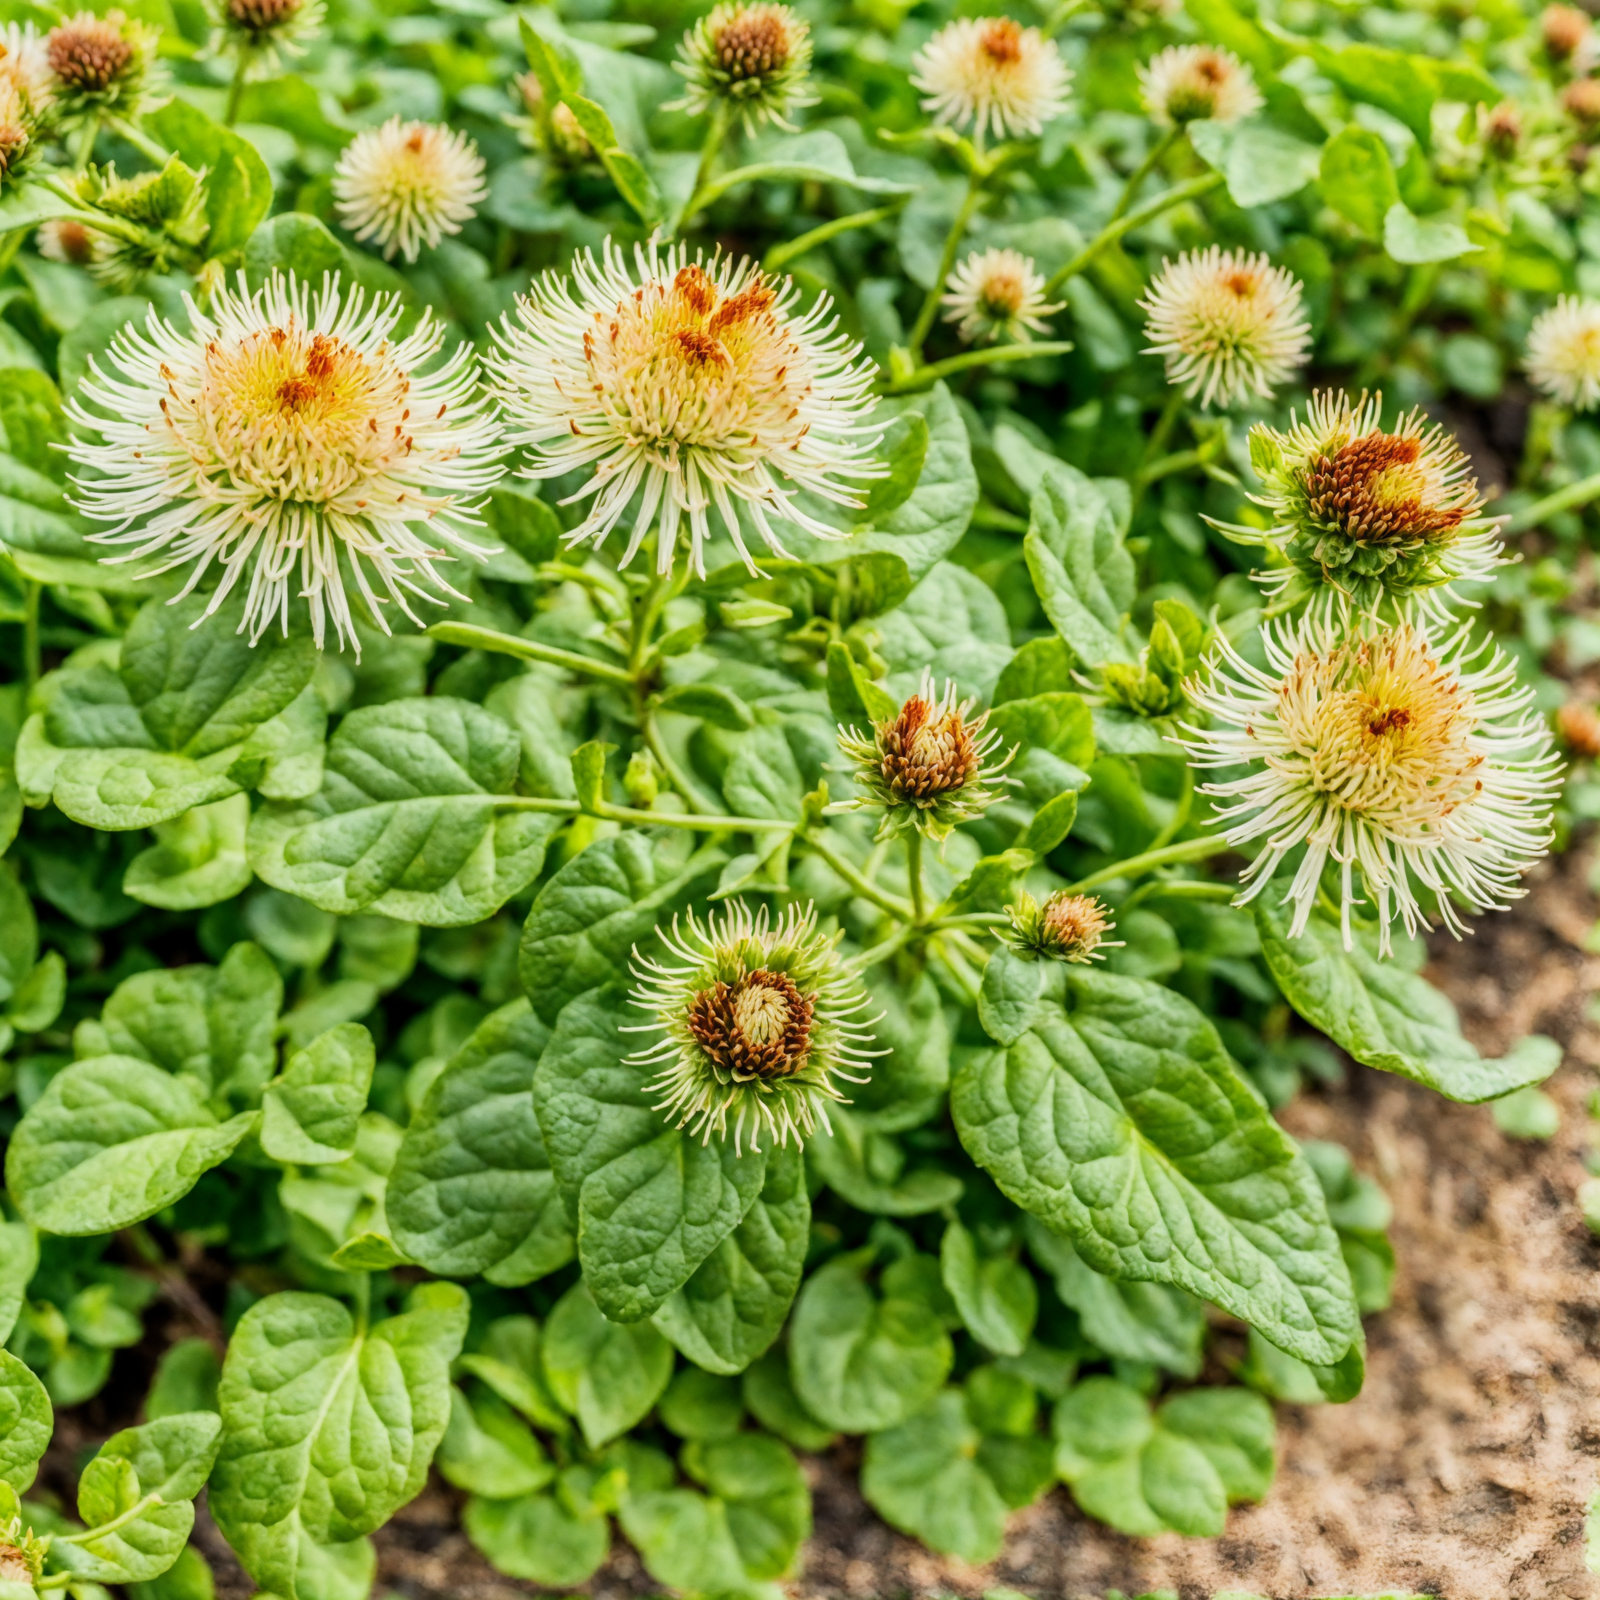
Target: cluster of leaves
314, 968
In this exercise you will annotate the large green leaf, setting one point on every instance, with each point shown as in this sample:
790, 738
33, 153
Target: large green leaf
309, 1114
238, 185
606, 1374
328, 1427
763, 1494
1112, 1112
1080, 565
472, 1191
1384, 1013
25, 1422
651, 1202
413, 819
112, 1141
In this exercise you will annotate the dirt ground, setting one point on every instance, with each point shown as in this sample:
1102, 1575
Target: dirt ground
1461, 1470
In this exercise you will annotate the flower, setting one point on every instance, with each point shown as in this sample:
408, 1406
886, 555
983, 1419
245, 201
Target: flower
1186, 82
1564, 31
284, 430
1228, 323
66, 239
1502, 129
927, 767
691, 383
1067, 927
263, 32
1369, 515
1579, 726
756, 1020
754, 58
1564, 352
100, 62
997, 295
1581, 101
407, 184
16, 130
1422, 767
991, 71
25, 62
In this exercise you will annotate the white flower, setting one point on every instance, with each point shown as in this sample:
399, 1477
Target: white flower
287, 431
26, 63
997, 295
991, 71
1229, 324
691, 385
66, 239
1423, 768
1564, 352
756, 1021
407, 184
1186, 82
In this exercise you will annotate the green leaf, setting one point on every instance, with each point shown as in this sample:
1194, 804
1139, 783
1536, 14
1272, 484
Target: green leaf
25, 1422
472, 1191
866, 1169
763, 1495
1080, 567
188, 1578
553, 62
37, 1000
996, 1296
309, 1114
1358, 178
631, 177
1059, 723
684, 1540
1383, 1014
860, 1363
1403, 84
606, 1374
509, 1363
1261, 162
1051, 824
198, 859
816, 156
238, 185
111, 1141
488, 1450
701, 1405
769, 1395
1235, 1431
852, 695
1041, 666
328, 1429
904, 451
1113, 1113
186, 1380
19, 1260
19, 933
589, 774
293, 243
651, 1202
540, 1537
712, 703
735, 1302
909, 1080
1416, 240
143, 1480
407, 822
588, 916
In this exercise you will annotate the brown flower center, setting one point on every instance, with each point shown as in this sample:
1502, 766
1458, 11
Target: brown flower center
1002, 41
754, 43
14, 1566
1564, 28
74, 241
758, 1027
1073, 923
1580, 728
926, 752
88, 55
262, 16
1374, 490
1582, 101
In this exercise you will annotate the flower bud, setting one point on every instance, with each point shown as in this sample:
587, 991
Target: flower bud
1067, 927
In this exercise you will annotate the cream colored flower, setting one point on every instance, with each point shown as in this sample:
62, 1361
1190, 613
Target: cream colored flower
997, 295
291, 441
689, 386
1230, 324
993, 73
754, 58
66, 239
1420, 768
25, 62
1187, 82
407, 184
1564, 352
756, 1020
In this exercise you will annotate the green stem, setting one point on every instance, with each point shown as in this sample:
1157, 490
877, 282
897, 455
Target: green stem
472, 637
1165, 423
1180, 812
863, 886
952, 244
1575, 494
644, 819
236, 89
1147, 860
83, 147
926, 377
716, 133
30, 633
1108, 235
867, 959
1178, 889
645, 616
1151, 161
792, 249
140, 140
681, 781
919, 896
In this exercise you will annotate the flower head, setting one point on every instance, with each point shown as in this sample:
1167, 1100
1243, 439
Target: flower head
1502, 129
22, 1553
263, 32
753, 58
756, 1020
1564, 352
1581, 101
25, 63
692, 384
100, 62
407, 184
1578, 723
993, 73
997, 295
1187, 82
1422, 768
65, 239
1067, 927
1371, 515
1228, 323
1564, 31
287, 430
928, 767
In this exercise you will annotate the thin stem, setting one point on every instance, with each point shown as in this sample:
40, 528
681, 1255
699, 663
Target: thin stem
693, 796
919, 896
83, 147
140, 140
1147, 860
925, 377
30, 633
791, 249
1136, 178
863, 886
1165, 423
472, 637
865, 960
1178, 889
1575, 494
236, 89
1180, 812
716, 133
644, 819
1108, 235
952, 243
645, 617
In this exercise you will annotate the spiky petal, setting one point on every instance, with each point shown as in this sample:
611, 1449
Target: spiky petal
1564, 352
991, 73
407, 184
754, 59
997, 295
